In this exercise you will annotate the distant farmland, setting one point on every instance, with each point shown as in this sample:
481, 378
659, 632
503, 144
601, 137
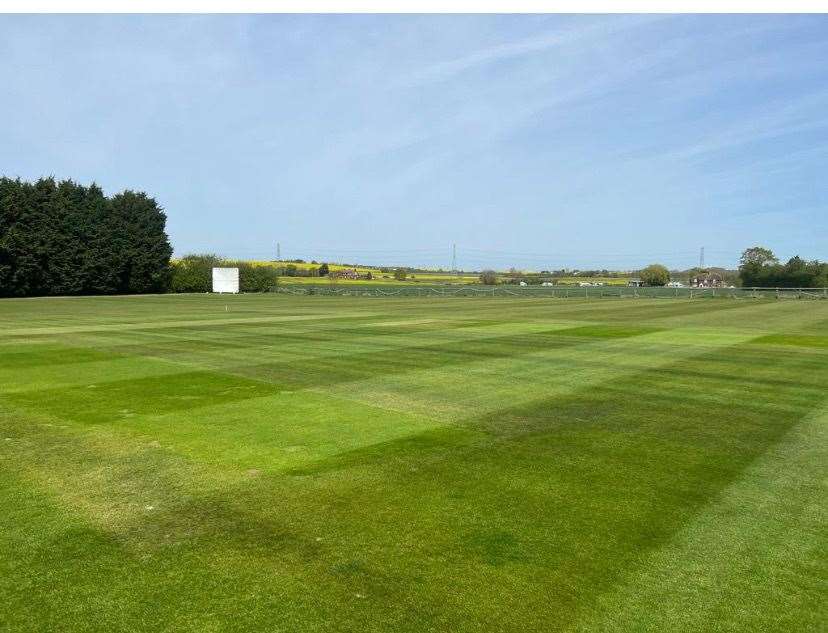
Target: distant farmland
378, 275
419, 277
282, 463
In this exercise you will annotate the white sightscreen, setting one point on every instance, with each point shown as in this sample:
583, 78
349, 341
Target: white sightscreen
225, 280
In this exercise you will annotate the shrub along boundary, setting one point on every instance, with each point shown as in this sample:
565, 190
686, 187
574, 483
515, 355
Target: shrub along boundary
194, 273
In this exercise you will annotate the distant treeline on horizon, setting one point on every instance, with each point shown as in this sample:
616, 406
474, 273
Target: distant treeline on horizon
63, 238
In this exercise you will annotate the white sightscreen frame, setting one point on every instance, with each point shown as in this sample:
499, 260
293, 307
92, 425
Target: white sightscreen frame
226, 280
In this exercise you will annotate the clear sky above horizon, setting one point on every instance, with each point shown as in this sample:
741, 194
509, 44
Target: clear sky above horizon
531, 141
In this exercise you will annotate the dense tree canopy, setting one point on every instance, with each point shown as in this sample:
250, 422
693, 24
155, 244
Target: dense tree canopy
655, 275
62, 238
758, 255
760, 268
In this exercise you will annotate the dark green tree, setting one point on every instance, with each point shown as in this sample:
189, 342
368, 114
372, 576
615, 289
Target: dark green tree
22, 230
65, 239
757, 267
760, 268
145, 262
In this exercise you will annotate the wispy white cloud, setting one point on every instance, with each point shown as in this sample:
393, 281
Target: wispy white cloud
507, 129
793, 116
536, 44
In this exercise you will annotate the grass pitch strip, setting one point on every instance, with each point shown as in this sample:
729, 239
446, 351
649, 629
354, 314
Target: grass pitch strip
278, 463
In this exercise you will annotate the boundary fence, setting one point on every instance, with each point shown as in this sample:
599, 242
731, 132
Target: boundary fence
554, 292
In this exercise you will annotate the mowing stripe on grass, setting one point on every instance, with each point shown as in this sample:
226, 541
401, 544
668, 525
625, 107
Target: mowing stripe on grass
713, 570
510, 465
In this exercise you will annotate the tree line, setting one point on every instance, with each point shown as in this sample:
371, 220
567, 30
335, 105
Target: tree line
63, 238
760, 267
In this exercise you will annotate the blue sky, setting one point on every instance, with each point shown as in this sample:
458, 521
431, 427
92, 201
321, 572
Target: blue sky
530, 141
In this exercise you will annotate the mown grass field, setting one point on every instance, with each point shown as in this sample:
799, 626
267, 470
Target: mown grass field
278, 463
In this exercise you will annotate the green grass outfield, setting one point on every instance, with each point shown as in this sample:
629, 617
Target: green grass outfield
279, 463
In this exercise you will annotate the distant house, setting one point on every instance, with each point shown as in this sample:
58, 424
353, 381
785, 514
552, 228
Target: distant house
345, 273
635, 282
707, 279
675, 284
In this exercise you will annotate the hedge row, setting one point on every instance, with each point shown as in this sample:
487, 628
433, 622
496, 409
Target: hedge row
194, 273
